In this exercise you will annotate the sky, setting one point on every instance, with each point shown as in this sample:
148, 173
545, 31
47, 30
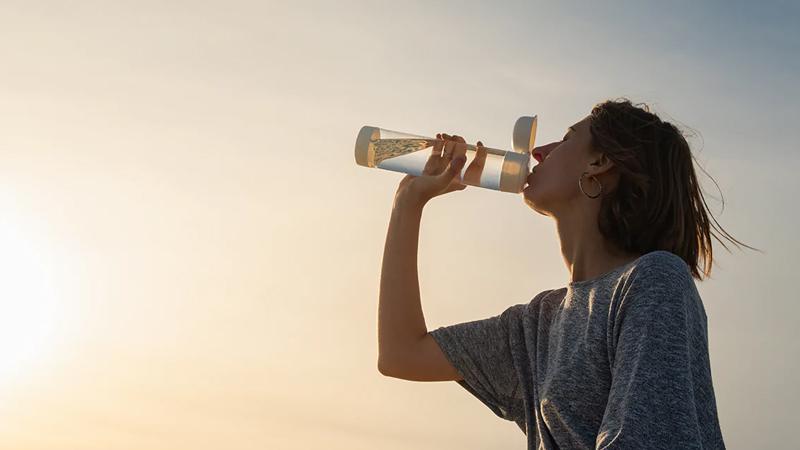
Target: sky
191, 257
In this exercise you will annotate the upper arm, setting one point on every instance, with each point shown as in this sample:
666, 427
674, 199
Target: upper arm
478, 354
423, 361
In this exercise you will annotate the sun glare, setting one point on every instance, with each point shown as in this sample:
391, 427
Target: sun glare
28, 306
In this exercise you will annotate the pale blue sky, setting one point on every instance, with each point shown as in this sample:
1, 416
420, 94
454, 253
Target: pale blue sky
182, 176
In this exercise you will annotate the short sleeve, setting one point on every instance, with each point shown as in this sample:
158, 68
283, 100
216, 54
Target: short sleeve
481, 351
661, 394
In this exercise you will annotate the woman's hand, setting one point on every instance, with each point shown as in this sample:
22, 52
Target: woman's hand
443, 169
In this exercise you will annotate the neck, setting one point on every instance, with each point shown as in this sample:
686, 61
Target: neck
586, 252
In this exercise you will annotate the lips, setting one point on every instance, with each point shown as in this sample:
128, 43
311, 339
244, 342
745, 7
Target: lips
528, 180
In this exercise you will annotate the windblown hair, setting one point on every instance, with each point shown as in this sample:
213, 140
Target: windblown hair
658, 203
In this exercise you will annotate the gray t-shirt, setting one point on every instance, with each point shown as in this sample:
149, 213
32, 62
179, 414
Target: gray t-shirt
617, 362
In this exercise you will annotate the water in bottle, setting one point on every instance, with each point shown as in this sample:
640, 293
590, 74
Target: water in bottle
505, 171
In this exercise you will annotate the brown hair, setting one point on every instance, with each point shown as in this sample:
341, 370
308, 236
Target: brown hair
658, 203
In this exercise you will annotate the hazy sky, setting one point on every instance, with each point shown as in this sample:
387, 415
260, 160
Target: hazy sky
190, 256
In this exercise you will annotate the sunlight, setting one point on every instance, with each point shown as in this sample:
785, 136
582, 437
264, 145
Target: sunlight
28, 306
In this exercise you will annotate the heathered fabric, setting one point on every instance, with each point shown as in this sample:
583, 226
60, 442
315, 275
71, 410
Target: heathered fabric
616, 362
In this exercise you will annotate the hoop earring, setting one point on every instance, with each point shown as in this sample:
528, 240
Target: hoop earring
580, 185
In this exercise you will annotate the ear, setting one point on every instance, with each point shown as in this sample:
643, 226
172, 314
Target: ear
600, 164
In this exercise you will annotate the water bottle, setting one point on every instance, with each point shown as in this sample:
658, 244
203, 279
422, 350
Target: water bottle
505, 171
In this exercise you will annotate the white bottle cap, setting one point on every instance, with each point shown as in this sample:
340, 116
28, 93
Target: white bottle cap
524, 136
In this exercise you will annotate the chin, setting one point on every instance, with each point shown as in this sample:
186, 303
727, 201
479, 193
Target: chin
527, 197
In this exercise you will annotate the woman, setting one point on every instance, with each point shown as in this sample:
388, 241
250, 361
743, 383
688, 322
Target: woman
616, 359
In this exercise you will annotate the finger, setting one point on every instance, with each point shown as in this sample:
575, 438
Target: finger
475, 169
449, 145
453, 171
438, 145
433, 164
481, 156
443, 159
456, 166
460, 147
454, 186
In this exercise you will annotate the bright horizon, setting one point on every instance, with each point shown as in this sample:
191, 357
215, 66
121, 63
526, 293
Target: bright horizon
191, 256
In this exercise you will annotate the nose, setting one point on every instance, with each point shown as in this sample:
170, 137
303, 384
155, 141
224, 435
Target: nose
540, 153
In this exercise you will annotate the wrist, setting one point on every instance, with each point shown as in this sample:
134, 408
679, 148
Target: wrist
408, 201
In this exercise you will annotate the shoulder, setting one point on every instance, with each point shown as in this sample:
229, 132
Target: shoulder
661, 267
659, 290
659, 280
546, 297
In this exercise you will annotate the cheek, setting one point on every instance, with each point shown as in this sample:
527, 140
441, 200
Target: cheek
559, 178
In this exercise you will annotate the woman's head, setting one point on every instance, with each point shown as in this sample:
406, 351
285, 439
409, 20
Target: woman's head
634, 174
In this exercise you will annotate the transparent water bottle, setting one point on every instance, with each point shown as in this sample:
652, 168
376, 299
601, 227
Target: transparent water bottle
505, 171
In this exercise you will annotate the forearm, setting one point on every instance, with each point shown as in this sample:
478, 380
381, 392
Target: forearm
400, 318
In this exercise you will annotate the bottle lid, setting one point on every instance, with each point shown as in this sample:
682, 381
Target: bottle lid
362, 151
524, 135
